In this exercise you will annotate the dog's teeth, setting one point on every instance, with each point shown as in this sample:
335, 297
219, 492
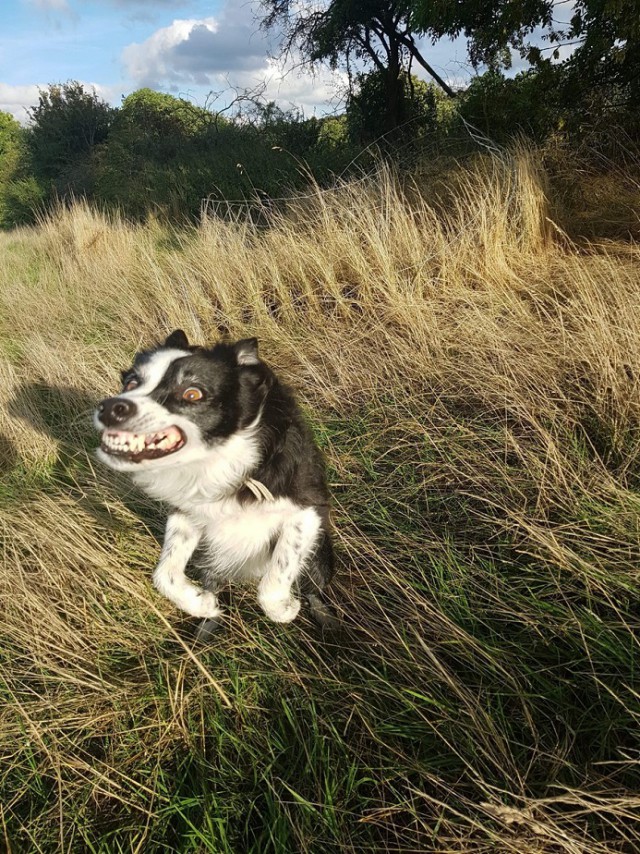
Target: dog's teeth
136, 443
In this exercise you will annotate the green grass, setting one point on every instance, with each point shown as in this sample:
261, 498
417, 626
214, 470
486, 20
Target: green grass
331, 743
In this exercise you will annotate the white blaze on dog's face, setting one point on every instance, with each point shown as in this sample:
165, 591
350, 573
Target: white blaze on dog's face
178, 402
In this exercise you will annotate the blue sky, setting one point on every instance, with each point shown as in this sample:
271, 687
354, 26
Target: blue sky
190, 48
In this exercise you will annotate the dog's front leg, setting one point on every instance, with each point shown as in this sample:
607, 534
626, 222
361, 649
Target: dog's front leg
180, 540
295, 545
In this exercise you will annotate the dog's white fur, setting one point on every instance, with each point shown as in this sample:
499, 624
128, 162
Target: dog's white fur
267, 543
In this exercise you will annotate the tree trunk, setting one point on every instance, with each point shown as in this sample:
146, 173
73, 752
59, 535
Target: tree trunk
394, 91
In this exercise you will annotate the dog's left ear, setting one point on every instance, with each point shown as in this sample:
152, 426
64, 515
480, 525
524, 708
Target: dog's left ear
177, 339
247, 351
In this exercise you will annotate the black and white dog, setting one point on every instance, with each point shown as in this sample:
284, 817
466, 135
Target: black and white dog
214, 434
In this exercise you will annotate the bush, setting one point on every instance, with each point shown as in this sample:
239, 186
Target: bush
68, 124
20, 193
19, 202
424, 109
503, 108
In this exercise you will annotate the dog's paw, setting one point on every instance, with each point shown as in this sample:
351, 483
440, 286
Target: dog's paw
203, 604
281, 610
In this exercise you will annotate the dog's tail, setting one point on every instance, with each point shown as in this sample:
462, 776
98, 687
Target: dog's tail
207, 629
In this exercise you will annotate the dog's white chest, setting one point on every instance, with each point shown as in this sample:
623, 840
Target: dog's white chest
240, 538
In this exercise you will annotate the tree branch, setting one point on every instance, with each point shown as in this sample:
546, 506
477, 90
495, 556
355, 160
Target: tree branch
381, 36
415, 53
365, 42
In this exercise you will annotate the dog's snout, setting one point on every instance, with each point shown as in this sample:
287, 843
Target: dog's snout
115, 410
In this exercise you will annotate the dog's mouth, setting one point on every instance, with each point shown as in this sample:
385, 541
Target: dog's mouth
137, 447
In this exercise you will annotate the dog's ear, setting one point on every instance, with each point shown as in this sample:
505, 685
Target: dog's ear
177, 339
247, 351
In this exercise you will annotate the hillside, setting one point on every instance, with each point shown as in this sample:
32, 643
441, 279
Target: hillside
473, 377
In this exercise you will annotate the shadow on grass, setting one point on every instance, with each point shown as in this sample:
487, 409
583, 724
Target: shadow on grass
65, 414
8, 454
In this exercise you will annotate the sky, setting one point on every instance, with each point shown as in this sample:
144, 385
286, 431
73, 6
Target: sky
204, 50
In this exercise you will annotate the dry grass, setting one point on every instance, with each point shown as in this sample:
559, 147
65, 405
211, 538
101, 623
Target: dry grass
474, 381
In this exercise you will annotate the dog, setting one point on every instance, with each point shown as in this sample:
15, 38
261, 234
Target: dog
214, 434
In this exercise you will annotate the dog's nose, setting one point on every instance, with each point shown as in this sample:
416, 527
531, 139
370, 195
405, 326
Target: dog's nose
114, 410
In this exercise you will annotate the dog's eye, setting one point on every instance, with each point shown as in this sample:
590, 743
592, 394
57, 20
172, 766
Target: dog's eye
192, 394
131, 384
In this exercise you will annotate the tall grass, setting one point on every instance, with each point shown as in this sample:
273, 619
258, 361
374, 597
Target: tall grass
473, 379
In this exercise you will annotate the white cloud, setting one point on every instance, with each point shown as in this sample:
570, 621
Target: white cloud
16, 100
227, 52
230, 52
64, 5
199, 50
51, 5
308, 91
59, 12
152, 3
153, 61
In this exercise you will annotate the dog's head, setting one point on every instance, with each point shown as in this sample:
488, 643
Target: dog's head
177, 401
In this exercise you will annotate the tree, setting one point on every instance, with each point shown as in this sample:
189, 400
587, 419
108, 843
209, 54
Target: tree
507, 107
20, 193
603, 35
67, 124
157, 125
380, 33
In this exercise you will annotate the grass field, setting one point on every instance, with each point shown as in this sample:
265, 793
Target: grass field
474, 380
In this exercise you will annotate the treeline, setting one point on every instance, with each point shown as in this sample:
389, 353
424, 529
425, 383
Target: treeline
157, 154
